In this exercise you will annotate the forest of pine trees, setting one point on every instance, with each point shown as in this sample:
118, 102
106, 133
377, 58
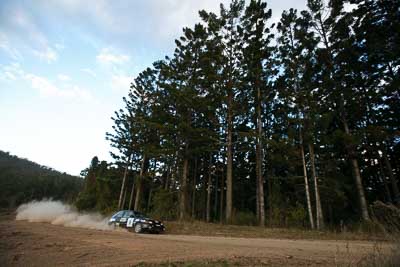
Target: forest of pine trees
294, 123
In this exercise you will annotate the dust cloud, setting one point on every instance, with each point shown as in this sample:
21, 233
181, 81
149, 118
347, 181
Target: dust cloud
58, 213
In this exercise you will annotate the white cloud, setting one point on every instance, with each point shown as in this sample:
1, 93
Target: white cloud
48, 54
121, 82
47, 89
8, 48
63, 77
11, 72
59, 46
89, 71
110, 56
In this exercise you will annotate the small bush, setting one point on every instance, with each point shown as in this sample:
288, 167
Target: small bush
164, 205
245, 218
296, 216
85, 201
387, 215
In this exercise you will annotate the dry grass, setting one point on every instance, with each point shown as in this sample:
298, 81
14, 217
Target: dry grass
379, 257
213, 229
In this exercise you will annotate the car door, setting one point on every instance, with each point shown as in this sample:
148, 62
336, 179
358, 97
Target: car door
125, 217
131, 221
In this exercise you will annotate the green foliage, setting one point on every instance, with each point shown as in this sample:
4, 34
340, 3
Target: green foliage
164, 205
323, 89
245, 218
296, 215
85, 201
22, 180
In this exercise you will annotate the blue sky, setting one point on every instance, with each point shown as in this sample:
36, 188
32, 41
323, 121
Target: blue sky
66, 64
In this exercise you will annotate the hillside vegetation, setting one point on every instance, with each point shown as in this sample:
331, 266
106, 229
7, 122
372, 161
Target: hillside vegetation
22, 180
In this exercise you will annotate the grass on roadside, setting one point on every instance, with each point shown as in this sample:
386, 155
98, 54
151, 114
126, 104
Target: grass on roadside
214, 229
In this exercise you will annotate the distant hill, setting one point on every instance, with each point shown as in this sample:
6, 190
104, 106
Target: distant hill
22, 180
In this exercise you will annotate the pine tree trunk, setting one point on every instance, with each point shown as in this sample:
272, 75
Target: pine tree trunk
259, 161
393, 181
216, 196
257, 200
183, 198
309, 208
123, 199
229, 157
357, 176
139, 183
319, 215
123, 183
132, 193
221, 203
194, 188
149, 200
385, 184
209, 187
167, 177
270, 200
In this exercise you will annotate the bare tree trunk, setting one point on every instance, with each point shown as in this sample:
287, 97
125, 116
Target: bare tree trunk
216, 196
221, 203
270, 199
357, 175
123, 199
183, 199
319, 215
194, 188
309, 208
259, 161
132, 193
229, 157
385, 184
393, 181
257, 201
123, 183
149, 200
209, 188
139, 183
167, 177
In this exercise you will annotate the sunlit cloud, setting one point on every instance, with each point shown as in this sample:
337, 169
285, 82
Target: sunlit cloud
110, 56
89, 71
121, 82
47, 89
8, 48
48, 55
63, 77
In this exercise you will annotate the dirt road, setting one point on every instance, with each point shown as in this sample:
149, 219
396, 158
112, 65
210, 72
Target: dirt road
42, 244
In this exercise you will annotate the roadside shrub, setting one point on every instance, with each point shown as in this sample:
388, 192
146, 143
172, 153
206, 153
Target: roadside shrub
387, 215
164, 205
85, 201
296, 216
245, 218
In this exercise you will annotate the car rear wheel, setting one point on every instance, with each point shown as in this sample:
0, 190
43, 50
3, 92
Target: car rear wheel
138, 228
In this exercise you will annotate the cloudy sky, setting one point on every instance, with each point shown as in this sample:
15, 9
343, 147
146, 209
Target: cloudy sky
66, 64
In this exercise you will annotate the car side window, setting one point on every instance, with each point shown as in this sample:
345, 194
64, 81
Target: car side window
127, 214
117, 215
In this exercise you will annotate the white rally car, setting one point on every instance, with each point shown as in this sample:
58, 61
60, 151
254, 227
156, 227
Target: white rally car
133, 220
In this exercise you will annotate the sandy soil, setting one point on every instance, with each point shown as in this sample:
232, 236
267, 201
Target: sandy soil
42, 244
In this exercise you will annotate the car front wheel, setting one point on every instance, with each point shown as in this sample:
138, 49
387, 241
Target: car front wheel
138, 228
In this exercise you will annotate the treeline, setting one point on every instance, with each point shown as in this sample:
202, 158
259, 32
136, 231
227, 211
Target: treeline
294, 123
22, 180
